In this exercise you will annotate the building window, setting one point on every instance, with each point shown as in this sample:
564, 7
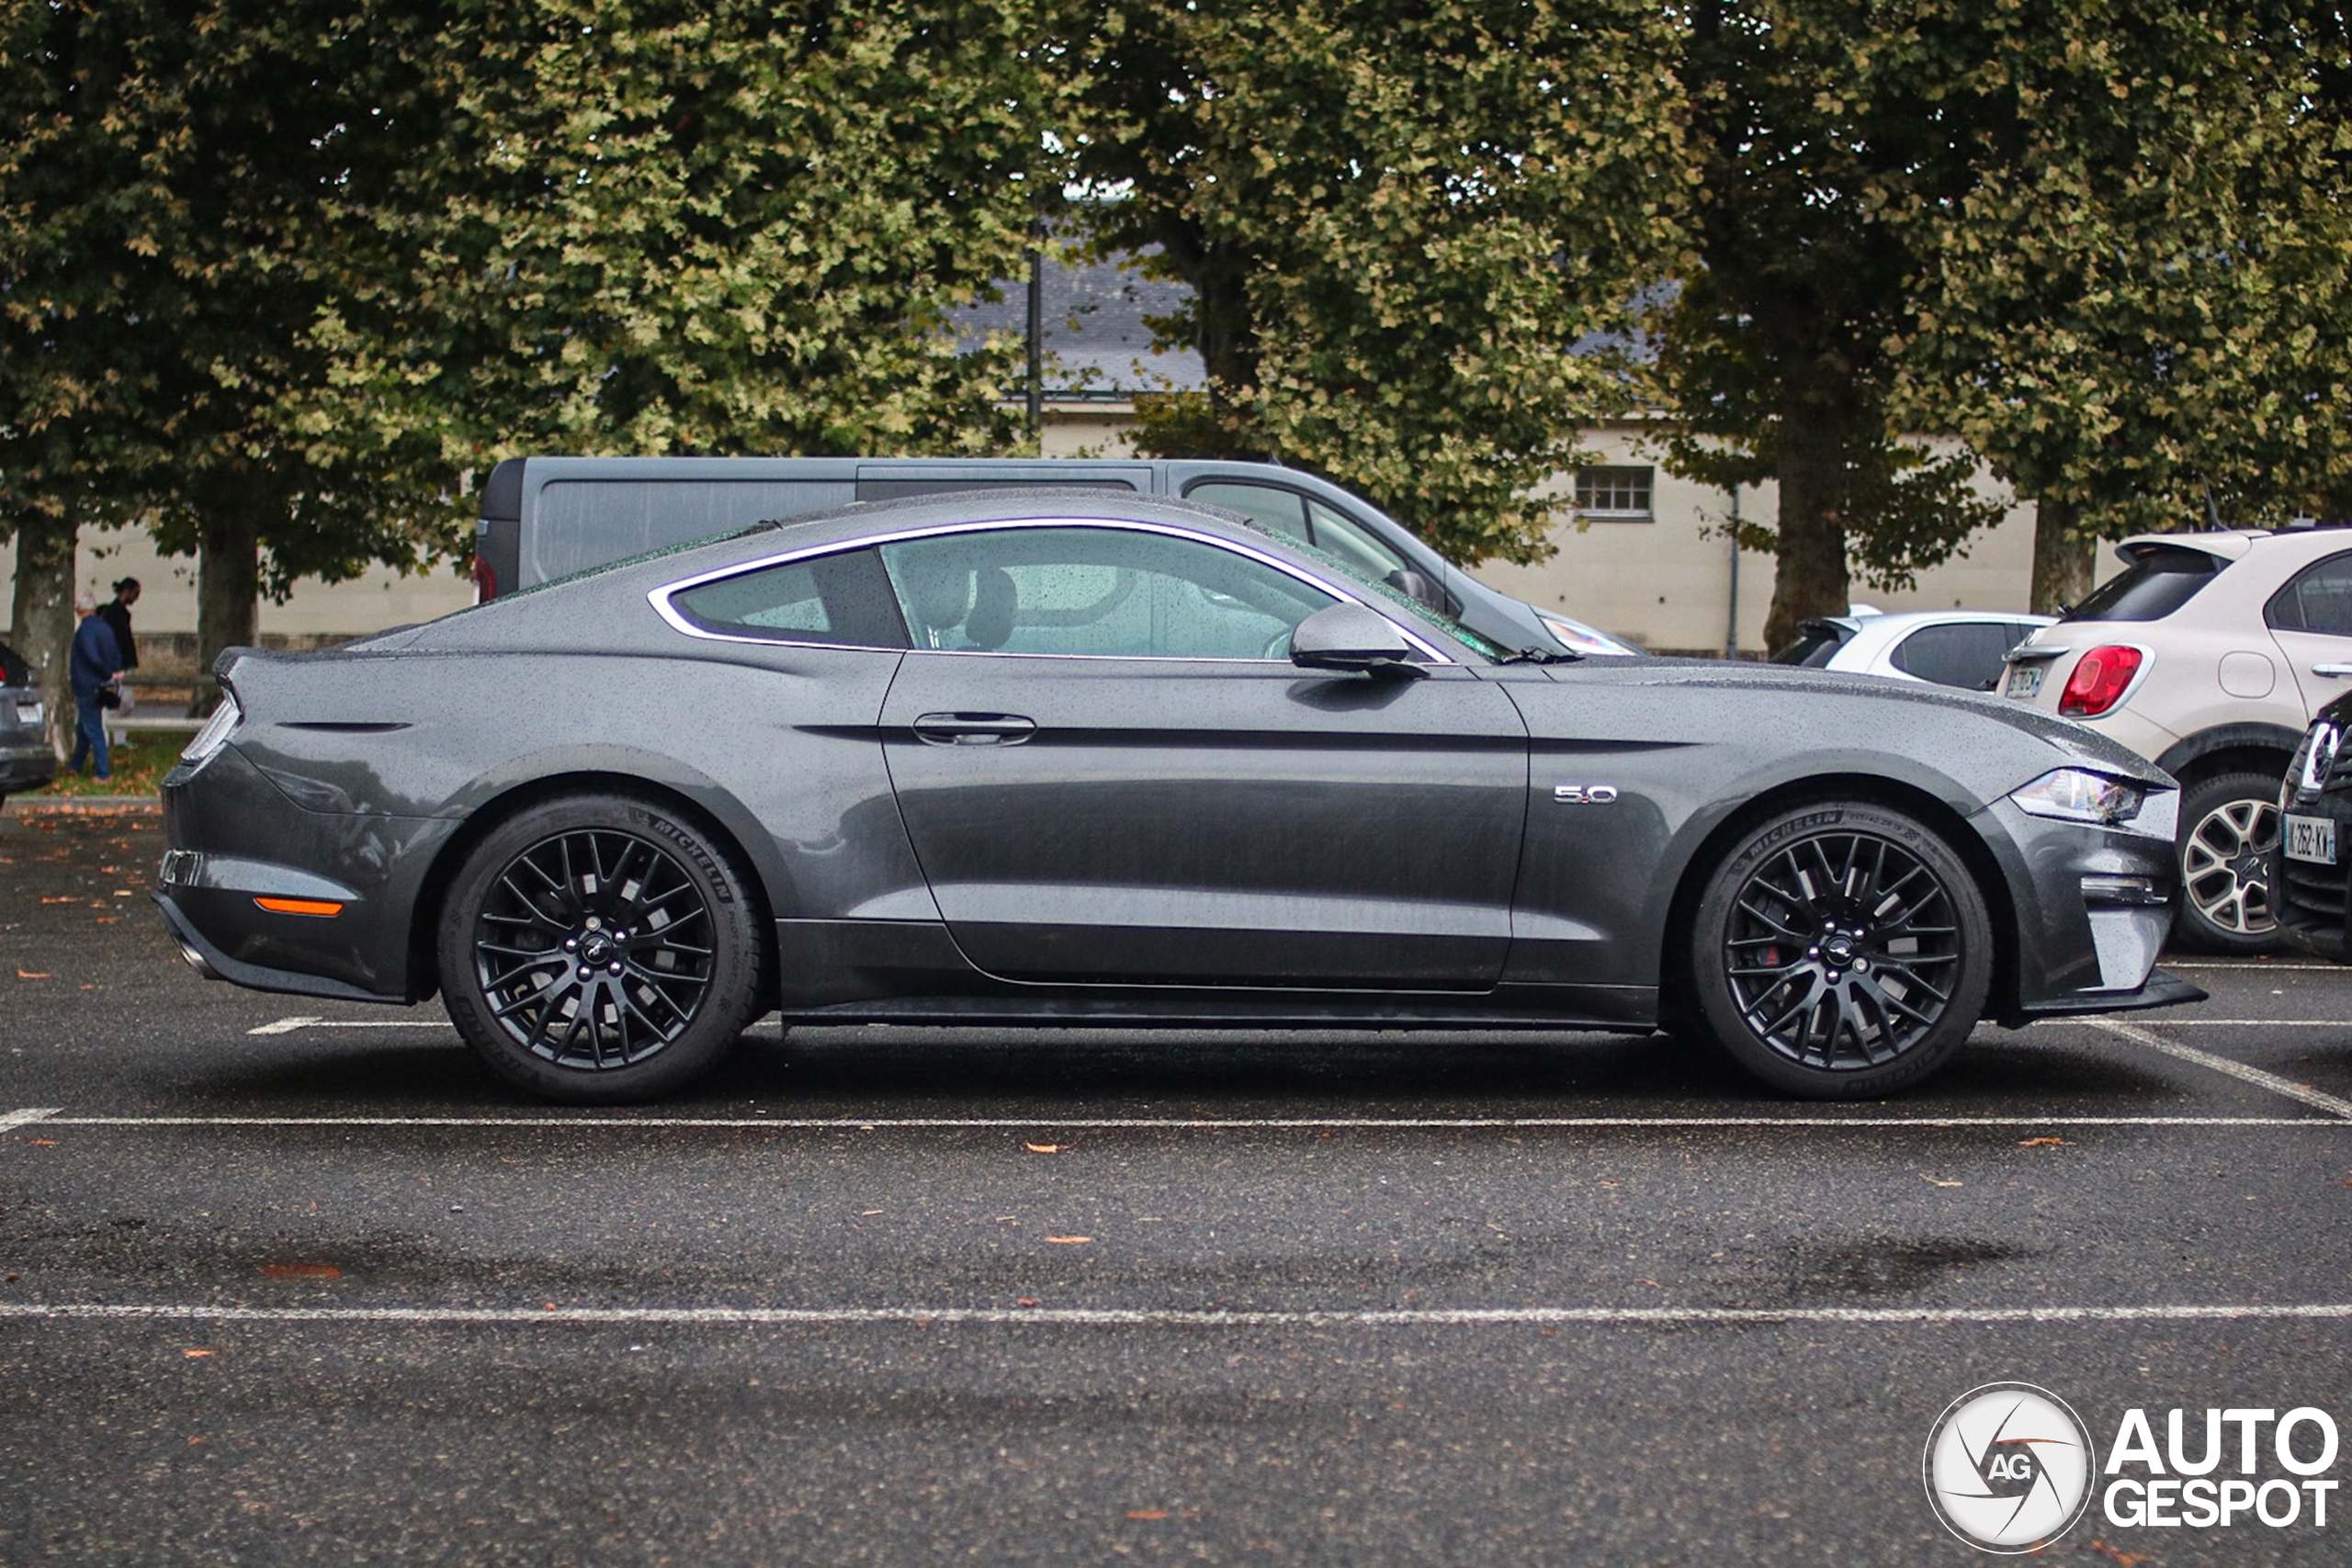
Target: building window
1614, 495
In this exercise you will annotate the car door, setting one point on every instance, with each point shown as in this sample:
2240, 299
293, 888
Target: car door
1112, 774
2311, 617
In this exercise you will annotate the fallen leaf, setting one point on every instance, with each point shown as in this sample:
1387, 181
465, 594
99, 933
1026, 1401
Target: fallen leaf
868, 1213
1147, 1513
2042, 1144
193, 1355
1653, 1284
1070, 1240
1043, 1148
1024, 1301
29, 974
301, 1271
2126, 1559
43, 1143
109, 919
67, 899
1934, 1181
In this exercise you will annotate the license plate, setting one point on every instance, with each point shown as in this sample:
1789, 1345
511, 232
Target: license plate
2025, 680
2311, 838
29, 715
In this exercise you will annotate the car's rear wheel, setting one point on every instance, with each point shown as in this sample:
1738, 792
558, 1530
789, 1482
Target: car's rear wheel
595, 950
1840, 951
2229, 863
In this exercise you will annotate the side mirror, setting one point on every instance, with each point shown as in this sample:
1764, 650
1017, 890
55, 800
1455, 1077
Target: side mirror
1422, 589
1354, 639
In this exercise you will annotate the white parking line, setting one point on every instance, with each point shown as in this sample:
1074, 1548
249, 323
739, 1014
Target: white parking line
1173, 1317
2226, 967
26, 1117
300, 1020
1184, 1123
2256, 1076
2249, 1022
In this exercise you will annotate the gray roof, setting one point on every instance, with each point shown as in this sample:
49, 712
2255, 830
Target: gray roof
1096, 343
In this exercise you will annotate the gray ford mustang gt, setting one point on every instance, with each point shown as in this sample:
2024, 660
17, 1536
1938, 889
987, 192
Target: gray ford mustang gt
1072, 758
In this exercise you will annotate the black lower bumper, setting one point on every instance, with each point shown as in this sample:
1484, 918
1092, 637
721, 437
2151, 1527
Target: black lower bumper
2161, 990
215, 964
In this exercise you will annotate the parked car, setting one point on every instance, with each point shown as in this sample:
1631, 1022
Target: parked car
545, 517
1089, 759
2316, 836
1962, 649
26, 760
2209, 655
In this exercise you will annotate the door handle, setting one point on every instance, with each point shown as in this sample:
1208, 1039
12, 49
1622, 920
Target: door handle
2336, 670
974, 729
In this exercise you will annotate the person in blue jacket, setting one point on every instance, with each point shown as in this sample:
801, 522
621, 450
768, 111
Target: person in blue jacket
95, 662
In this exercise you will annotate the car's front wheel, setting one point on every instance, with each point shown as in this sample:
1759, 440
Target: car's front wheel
1841, 950
2229, 855
598, 951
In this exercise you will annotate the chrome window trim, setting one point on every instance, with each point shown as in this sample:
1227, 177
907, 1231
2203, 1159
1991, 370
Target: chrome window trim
660, 597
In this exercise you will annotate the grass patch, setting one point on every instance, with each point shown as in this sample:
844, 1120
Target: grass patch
138, 769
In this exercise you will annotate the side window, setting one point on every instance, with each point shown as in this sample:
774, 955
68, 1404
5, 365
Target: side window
1354, 544
839, 599
2319, 599
1283, 510
1107, 593
1967, 656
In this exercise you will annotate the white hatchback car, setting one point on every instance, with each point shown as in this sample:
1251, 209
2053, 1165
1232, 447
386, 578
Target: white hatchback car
2209, 655
1948, 648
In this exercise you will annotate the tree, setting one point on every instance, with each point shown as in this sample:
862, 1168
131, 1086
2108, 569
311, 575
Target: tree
2138, 307
160, 163
680, 226
1772, 355
1395, 219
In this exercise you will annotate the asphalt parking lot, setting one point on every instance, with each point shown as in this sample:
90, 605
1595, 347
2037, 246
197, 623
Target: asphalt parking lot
288, 1281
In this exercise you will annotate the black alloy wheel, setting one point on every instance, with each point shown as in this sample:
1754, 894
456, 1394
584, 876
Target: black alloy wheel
594, 950
1841, 950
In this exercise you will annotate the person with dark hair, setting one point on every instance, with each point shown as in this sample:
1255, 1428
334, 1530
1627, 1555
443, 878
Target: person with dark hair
116, 613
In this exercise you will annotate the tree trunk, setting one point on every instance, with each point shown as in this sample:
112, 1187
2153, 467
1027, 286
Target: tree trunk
42, 615
228, 592
1812, 578
2063, 566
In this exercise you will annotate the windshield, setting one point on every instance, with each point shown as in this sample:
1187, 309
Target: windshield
2150, 588
1391, 601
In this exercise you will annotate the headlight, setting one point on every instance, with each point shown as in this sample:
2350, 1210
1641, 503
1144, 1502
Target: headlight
1577, 638
2318, 756
2077, 795
215, 733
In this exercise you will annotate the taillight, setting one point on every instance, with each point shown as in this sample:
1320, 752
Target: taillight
2099, 681
485, 581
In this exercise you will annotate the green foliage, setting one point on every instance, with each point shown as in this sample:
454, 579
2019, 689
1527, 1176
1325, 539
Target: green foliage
317, 263
649, 226
2140, 290
159, 166
1396, 219
1772, 360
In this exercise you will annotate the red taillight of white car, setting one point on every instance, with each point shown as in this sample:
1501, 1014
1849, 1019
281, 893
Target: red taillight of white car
2099, 680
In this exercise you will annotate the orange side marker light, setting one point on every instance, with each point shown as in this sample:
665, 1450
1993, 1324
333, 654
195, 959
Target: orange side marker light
321, 907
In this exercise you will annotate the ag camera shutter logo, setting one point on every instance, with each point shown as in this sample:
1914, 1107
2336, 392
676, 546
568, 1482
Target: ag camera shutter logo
2008, 1467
